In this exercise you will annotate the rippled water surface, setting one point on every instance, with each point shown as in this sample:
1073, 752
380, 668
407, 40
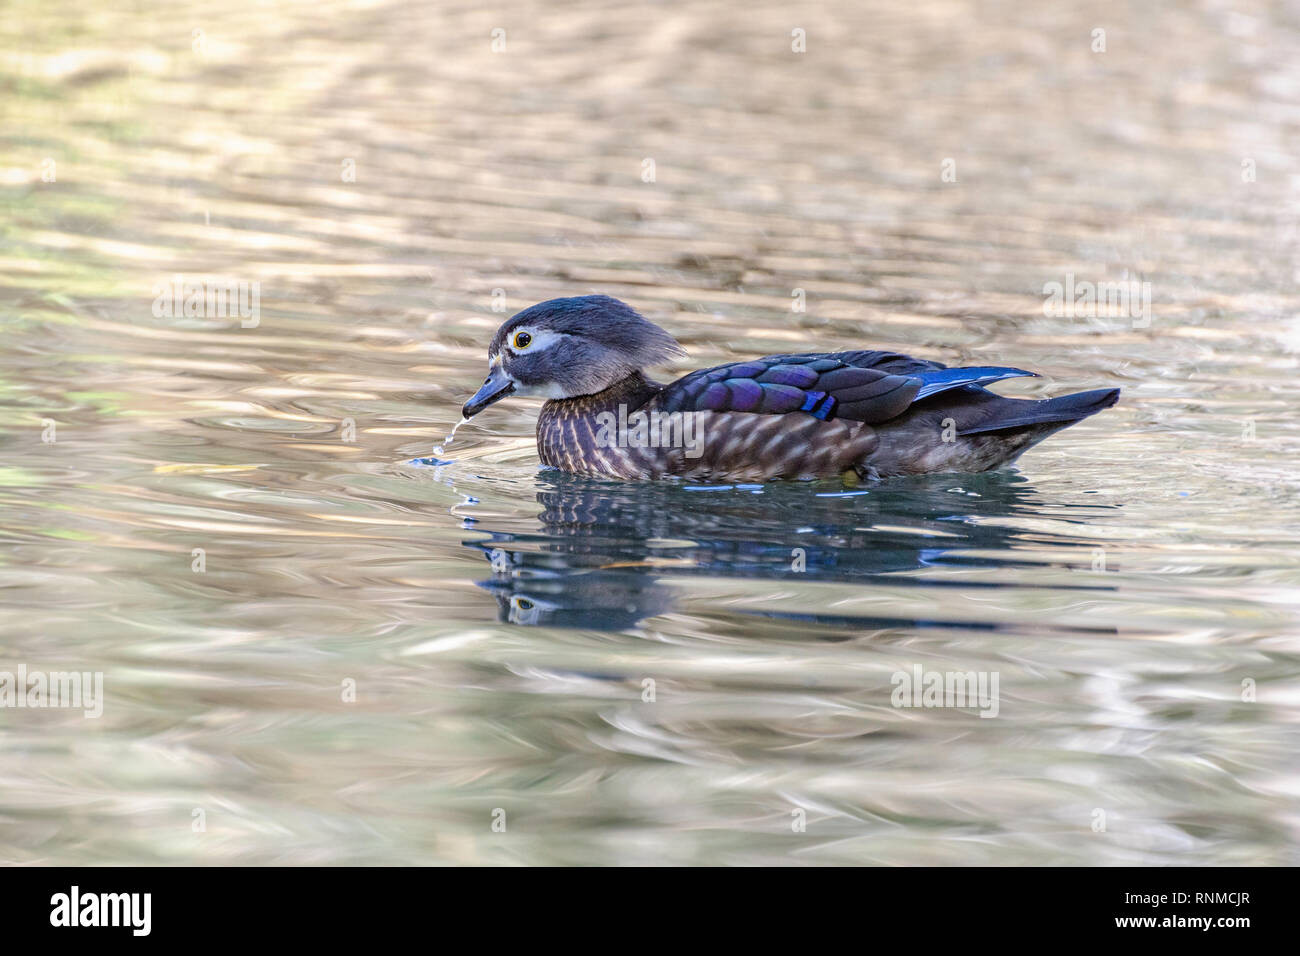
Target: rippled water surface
236, 525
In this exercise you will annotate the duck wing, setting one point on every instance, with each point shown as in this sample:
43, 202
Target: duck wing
862, 386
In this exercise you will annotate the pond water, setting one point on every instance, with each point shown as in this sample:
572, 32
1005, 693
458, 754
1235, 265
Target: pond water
323, 642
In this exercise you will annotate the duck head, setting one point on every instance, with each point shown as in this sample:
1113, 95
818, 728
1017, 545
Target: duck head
565, 348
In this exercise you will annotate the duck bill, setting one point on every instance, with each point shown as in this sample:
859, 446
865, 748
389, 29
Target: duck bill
494, 389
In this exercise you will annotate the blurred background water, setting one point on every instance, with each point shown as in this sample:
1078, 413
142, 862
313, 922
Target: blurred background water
379, 169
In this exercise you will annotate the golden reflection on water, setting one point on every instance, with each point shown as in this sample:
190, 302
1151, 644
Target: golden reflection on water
228, 525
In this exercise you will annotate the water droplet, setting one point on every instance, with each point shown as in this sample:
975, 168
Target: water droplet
438, 449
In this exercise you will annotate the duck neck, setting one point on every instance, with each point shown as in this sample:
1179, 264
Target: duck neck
632, 392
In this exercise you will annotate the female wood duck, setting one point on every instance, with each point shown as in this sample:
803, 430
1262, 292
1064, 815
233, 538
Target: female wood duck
810, 415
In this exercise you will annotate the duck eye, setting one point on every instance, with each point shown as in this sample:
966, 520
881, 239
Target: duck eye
524, 604
523, 340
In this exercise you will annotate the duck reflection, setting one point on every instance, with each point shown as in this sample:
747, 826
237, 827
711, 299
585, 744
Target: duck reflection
604, 551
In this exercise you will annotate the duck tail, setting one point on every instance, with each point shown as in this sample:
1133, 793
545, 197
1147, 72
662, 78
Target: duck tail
1012, 414
992, 431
